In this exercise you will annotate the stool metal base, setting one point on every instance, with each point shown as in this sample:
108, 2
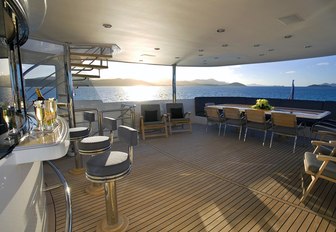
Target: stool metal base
122, 225
95, 189
76, 171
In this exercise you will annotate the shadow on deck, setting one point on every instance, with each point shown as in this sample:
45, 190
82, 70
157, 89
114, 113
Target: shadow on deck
203, 182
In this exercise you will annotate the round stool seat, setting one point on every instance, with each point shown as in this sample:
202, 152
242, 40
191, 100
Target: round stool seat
112, 164
78, 132
94, 144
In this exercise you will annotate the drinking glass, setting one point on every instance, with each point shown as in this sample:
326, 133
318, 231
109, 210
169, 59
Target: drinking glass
9, 117
39, 114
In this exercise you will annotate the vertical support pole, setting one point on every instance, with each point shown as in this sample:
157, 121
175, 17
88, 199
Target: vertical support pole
69, 84
174, 83
111, 203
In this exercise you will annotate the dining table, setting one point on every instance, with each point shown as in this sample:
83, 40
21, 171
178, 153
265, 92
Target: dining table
299, 112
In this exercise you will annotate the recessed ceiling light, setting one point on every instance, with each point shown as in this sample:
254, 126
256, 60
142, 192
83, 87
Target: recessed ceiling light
225, 45
288, 36
307, 46
271, 50
220, 30
157, 49
201, 50
107, 25
256, 45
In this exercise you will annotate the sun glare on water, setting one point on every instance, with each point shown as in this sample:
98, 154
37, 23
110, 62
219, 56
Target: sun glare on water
142, 93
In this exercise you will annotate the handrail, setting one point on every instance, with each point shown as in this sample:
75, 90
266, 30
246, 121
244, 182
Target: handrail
68, 219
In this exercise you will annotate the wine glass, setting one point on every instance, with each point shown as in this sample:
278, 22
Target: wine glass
9, 117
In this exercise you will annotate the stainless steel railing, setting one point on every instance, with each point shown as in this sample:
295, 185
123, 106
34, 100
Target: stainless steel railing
68, 219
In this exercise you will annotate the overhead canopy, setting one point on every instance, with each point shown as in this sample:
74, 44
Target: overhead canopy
195, 32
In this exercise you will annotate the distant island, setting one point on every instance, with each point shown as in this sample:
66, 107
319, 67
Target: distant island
131, 82
323, 85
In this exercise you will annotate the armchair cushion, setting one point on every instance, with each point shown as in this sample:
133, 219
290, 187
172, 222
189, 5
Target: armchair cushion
313, 165
151, 116
176, 113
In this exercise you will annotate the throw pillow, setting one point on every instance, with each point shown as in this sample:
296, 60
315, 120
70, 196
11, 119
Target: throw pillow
150, 116
176, 113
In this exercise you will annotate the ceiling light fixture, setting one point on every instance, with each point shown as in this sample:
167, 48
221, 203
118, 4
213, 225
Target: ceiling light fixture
157, 49
225, 45
220, 30
107, 25
288, 36
256, 45
177, 57
307, 46
201, 50
271, 50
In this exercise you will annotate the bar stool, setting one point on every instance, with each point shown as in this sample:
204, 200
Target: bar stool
107, 169
77, 134
97, 145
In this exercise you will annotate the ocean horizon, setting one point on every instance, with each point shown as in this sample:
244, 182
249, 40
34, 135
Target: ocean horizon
147, 93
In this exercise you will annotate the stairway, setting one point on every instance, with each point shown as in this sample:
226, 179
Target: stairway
86, 62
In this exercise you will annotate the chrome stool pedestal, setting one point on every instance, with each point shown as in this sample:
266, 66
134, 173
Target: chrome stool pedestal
77, 134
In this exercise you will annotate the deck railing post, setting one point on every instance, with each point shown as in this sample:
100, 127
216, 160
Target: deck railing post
69, 85
174, 83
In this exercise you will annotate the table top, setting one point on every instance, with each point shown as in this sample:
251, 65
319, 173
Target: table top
300, 113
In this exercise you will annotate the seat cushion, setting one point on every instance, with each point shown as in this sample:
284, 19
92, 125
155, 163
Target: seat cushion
312, 166
109, 164
94, 144
78, 132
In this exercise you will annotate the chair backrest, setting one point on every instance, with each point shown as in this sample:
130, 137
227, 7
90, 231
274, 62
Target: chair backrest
257, 116
283, 119
110, 123
151, 112
129, 136
175, 110
231, 113
212, 113
90, 117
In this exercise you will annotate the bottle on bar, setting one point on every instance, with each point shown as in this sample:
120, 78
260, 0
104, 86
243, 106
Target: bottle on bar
39, 94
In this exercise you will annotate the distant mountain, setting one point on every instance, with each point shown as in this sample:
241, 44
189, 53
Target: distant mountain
126, 82
5, 81
323, 85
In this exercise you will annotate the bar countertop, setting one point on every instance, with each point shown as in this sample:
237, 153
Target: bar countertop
43, 146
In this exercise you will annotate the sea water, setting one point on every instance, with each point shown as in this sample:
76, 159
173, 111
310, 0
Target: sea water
146, 93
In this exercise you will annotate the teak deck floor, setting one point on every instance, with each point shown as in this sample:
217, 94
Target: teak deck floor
203, 182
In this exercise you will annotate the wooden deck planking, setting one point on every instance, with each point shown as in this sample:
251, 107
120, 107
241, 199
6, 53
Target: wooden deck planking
205, 182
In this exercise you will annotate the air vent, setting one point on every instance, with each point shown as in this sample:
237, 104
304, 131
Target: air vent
290, 19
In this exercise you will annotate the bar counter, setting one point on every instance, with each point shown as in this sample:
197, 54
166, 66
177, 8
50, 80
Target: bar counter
22, 200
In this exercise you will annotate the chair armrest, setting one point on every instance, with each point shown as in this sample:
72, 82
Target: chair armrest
187, 114
326, 158
320, 143
164, 117
323, 132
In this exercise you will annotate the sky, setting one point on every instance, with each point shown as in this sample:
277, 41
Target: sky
304, 72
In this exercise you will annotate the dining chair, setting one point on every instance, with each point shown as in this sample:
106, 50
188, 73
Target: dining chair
213, 116
319, 166
233, 117
177, 118
256, 120
285, 124
152, 122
